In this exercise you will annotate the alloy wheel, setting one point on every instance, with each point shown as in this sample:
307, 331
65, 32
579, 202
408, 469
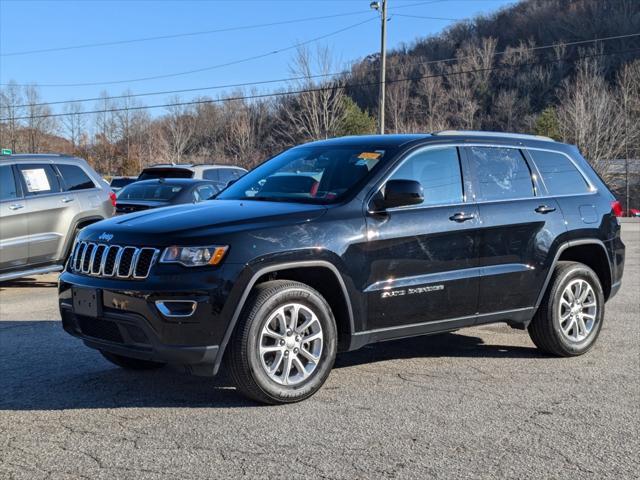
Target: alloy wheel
578, 310
291, 343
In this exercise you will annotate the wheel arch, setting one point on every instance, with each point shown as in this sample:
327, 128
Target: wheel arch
314, 273
590, 252
76, 226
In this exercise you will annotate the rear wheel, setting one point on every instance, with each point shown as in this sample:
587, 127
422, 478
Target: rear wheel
130, 363
285, 343
570, 316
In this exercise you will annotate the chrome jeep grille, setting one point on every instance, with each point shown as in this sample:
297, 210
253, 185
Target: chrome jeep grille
100, 260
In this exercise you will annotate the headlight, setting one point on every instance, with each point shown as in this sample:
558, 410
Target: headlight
194, 256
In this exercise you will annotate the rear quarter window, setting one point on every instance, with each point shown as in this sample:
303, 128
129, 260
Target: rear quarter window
74, 178
211, 174
559, 174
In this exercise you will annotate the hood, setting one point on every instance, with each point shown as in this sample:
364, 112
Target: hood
194, 222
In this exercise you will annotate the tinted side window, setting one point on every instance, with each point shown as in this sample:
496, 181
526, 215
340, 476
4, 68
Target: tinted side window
438, 171
39, 179
8, 190
559, 173
203, 193
226, 175
75, 178
211, 174
501, 173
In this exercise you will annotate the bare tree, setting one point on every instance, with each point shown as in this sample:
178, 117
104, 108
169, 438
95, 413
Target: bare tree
316, 114
39, 122
179, 129
10, 109
398, 104
74, 122
590, 117
432, 101
105, 133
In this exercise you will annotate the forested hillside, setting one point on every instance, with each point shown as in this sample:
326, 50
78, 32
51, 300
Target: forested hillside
532, 67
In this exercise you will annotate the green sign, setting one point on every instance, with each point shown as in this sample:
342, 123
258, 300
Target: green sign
6, 151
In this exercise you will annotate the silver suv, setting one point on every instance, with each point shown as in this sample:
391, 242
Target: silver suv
44, 201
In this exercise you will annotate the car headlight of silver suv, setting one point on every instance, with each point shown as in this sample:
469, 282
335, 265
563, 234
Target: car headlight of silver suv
194, 256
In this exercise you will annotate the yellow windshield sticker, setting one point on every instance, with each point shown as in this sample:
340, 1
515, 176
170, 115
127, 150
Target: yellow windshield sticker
369, 155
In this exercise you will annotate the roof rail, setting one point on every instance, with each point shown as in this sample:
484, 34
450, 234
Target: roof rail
477, 133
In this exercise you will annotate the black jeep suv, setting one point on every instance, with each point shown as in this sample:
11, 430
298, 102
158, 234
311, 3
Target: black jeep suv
335, 244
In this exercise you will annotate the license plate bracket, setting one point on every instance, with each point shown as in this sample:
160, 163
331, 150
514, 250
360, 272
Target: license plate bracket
87, 301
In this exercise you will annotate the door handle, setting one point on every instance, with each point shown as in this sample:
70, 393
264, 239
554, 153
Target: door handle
16, 206
461, 217
545, 209
67, 199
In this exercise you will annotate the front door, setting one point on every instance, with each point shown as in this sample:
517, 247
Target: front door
422, 260
14, 234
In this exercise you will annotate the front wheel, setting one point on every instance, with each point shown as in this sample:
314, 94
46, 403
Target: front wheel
285, 343
570, 316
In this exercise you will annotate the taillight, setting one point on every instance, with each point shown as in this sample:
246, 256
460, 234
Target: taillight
616, 208
113, 198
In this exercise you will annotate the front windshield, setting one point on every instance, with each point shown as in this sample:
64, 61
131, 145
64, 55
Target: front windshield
320, 174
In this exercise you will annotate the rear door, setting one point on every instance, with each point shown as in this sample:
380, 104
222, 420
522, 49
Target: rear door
79, 187
14, 233
518, 225
51, 211
422, 260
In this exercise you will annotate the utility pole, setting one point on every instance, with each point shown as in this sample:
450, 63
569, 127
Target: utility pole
626, 154
381, 7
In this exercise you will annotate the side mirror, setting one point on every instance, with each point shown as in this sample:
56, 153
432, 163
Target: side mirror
231, 182
398, 193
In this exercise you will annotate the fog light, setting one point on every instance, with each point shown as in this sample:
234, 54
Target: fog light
176, 308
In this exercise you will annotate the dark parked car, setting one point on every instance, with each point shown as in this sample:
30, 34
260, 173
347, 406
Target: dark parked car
369, 239
147, 194
118, 183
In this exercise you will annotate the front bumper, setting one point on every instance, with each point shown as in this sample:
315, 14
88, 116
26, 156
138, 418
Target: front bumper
130, 323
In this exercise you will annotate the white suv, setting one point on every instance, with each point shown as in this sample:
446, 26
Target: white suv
220, 174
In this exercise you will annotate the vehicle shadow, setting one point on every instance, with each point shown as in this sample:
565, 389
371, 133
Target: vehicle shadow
433, 346
42, 368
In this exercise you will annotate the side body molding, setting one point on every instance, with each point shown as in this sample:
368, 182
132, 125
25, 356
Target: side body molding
274, 268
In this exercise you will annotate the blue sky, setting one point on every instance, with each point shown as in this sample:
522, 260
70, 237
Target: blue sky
35, 25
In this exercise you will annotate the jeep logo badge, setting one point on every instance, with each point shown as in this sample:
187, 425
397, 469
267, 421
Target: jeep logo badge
105, 237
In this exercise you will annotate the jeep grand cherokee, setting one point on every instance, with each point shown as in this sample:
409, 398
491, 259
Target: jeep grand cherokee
336, 244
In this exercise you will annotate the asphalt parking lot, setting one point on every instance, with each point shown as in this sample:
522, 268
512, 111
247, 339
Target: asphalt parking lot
478, 403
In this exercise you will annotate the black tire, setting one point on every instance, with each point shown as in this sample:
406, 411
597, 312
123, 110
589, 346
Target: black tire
545, 329
243, 357
130, 363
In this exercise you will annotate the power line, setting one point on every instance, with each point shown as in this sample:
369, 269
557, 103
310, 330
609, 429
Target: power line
318, 89
177, 35
324, 75
211, 67
427, 18
200, 32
